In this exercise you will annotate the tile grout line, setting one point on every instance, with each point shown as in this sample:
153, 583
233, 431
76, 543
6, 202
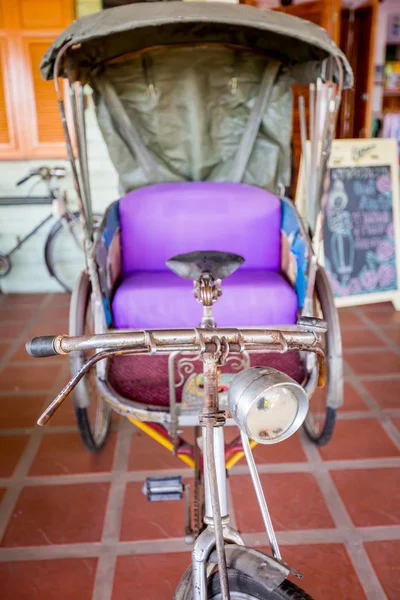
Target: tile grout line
355, 550
266, 468
171, 545
385, 413
17, 341
17, 481
380, 332
104, 580
383, 417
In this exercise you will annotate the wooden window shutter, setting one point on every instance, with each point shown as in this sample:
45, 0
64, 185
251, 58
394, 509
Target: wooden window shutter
4, 128
30, 125
46, 137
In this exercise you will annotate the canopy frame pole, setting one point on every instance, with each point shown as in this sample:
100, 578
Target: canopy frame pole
89, 242
127, 131
84, 148
329, 127
254, 122
68, 140
82, 157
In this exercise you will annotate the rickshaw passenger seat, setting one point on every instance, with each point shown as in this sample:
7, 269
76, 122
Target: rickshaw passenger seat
164, 220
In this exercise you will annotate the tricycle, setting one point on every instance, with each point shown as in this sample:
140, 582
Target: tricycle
194, 101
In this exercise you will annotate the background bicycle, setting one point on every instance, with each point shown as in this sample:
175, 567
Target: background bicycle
63, 252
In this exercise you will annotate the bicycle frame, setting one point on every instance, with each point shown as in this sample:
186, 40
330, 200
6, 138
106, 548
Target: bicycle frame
214, 346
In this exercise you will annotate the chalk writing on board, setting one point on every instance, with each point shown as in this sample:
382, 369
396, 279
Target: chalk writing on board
359, 232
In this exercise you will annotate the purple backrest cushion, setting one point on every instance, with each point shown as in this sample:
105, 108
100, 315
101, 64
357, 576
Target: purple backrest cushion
160, 221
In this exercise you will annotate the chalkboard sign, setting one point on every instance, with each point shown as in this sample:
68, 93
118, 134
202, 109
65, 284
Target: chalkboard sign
360, 255
362, 222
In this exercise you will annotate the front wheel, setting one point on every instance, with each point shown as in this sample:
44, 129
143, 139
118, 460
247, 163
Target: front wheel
252, 575
243, 587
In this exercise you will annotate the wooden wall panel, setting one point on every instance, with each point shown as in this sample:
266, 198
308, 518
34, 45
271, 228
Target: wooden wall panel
44, 14
4, 127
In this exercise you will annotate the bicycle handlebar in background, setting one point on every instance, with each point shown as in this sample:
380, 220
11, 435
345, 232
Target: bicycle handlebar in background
21, 181
45, 173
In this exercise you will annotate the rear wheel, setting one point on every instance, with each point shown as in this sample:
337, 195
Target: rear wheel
92, 413
321, 417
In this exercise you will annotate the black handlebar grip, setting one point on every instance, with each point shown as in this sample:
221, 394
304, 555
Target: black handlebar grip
41, 347
21, 181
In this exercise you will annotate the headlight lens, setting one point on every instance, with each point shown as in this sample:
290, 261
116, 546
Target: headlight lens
272, 413
266, 404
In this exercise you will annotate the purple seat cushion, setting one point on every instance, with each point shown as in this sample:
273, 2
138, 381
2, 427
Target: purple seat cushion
160, 221
163, 300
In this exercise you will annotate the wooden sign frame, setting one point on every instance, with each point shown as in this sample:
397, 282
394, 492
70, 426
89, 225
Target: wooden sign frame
354, 153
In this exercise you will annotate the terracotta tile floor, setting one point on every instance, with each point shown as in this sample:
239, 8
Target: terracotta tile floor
76, 525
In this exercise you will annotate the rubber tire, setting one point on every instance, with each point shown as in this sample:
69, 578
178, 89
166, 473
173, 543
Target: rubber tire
240, 582
334, 360
78, 307
8, 264
47, 249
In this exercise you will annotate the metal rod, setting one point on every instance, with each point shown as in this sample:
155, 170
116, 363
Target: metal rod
30, 234
172, 399
169, 340
78, 133
84, 152
219, 461
312, 108
216, 510
314, 167
57, 402
303, 136
260, 496
75, 175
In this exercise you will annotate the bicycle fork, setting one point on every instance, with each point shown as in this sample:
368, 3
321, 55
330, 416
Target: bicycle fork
218, 530
216, 507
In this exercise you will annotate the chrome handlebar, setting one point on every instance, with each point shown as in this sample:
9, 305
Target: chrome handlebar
307, 332
305, 336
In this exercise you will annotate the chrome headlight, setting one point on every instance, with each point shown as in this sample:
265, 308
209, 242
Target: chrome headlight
266, 404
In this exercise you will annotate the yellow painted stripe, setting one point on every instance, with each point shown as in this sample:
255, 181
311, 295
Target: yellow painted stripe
161, 440
231, 462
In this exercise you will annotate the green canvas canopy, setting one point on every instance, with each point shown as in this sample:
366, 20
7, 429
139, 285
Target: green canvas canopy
196, 91
114, 32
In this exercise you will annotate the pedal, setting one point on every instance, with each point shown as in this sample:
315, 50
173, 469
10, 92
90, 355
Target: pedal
162, 489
